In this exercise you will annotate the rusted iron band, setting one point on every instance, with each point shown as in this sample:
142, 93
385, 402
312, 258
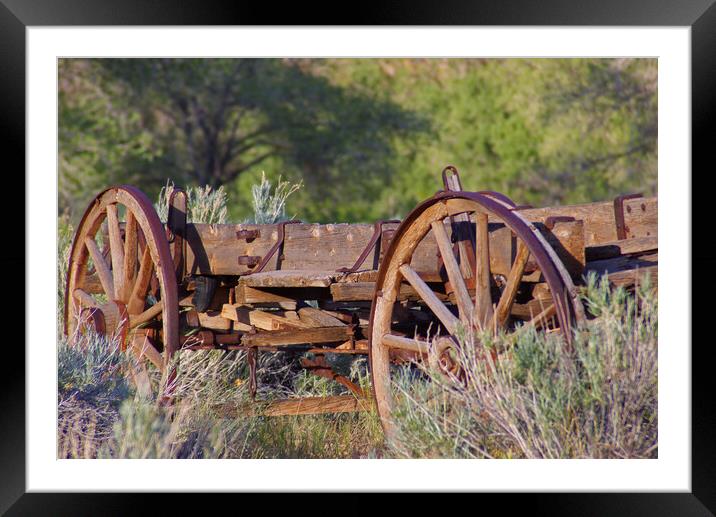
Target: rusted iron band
274, 249
377, 232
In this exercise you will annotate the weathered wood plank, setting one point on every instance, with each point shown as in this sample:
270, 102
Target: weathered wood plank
266, 320
296, 337
214, 250
239, 314
318, 318
250, 295
211, 320
363, 291
599, 222
289, 278
641, 217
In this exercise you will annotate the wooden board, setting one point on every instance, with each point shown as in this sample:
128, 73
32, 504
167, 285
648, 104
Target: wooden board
290, 278
250, 295
318, 318
363, 291
297, 337
599, 222
214, 249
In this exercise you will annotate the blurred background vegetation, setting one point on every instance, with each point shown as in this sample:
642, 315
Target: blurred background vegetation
367, 137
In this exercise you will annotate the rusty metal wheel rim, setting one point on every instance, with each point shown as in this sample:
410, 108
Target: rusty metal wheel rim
129, 299
567, 308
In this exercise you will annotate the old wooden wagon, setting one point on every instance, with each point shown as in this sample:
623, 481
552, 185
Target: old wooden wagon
393, 290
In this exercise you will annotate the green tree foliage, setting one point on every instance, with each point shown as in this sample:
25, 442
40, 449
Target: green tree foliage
102, 140
367, 137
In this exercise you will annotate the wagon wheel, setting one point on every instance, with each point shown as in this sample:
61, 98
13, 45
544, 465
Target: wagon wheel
135, 298
477, 302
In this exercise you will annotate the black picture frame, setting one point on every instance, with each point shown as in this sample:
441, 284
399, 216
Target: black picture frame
700, 15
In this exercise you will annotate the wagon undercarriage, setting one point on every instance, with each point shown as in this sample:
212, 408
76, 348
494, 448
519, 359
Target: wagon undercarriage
395, 291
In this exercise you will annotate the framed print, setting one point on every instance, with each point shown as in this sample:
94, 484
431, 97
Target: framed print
663, 56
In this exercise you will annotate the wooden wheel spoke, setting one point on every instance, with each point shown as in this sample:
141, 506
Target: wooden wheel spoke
464, 303
101, 267
439, 309
130, 256
404, 343
138, 295
504, 306
85, 298
142, 347
147, 315
116, 250
483, 296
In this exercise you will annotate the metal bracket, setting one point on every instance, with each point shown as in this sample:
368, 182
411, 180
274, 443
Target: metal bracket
550, 221
273, 250
452, 181
622, 228
251, 354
